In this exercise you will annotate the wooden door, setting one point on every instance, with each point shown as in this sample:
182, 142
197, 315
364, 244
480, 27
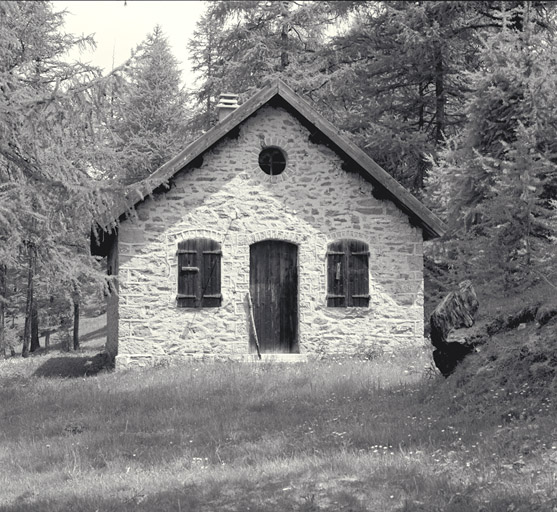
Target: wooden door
274, 293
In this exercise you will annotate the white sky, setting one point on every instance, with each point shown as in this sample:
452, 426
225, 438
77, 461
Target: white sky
119, 28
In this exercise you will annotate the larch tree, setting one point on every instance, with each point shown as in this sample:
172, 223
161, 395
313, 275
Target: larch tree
496, 181
151, 118
397, 78
239, 46
52, 142
206, 50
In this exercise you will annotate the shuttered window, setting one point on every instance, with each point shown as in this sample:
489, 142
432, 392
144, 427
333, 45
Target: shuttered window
348, 274
199, 273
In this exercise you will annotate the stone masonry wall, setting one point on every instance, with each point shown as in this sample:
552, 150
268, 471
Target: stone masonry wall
230, 200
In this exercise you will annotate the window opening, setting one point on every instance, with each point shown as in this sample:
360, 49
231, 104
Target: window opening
199, 273
272, 161
348, 274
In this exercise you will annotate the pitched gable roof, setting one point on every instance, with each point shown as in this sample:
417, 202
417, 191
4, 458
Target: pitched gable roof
279, 94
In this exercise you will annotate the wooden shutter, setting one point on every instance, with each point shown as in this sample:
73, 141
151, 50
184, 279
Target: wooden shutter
336, 275
358, 273
199, 273
348, 274
188, 274
210, 274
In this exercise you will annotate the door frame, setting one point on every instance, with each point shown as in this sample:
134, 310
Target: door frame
294, 343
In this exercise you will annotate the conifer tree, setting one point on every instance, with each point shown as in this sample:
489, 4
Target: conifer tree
496, 182
205, 48
52, 128
397, 78
239, 46
151, 116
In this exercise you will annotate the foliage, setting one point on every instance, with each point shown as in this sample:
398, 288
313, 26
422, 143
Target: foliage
150, 118
206, 48
404, 62
53, 131
241, 45
67, 133
392, 75
496, 180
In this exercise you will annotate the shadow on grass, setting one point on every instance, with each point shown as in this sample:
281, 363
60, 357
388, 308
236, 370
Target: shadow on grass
99, 333
75, 366
69, 366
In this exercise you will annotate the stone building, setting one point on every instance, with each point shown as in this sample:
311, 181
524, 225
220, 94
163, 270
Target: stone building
270, 234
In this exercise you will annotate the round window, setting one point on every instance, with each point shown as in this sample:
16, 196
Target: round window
272, 161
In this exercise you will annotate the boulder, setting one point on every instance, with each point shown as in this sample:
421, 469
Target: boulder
447, 357
546, 313
507, 323
455, 311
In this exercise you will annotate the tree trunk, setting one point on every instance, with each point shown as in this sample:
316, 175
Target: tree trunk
32, 255
64, 332
76, 324
421, 107
3, 290
440, 96
210, 91
419, 177
284, 60
34, 328
208, 120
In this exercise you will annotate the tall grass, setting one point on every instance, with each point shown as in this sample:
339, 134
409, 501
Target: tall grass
338, 435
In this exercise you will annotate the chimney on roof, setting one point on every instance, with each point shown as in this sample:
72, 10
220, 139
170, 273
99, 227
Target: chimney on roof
227, 104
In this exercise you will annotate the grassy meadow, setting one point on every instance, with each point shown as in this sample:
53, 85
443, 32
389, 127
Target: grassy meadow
342, 435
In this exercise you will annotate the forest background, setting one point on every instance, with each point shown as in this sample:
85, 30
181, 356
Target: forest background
455, 99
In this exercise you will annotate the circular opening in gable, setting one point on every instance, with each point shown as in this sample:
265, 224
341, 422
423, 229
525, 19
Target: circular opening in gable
272, 161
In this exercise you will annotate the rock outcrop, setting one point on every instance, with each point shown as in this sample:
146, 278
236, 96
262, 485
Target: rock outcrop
455, 311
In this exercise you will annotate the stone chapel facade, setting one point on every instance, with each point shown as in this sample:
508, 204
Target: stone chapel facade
271, 234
